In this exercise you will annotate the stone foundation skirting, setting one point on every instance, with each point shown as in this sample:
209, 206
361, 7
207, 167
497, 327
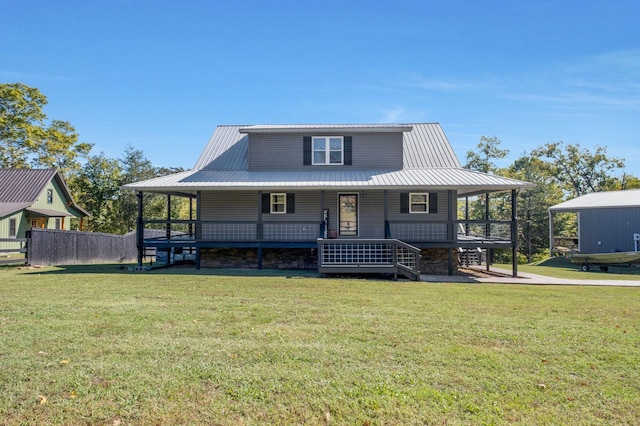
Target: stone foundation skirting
272, 258
435, 261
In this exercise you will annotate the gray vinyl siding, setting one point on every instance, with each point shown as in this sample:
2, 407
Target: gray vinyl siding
243, 206
612, 227
268, 152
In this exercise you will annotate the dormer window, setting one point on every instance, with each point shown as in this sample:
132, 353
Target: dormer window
328, 150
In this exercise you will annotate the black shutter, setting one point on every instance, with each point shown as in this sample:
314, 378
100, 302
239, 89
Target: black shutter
404, 202
433, 202
348, 149
306, 150
266, 202
291, 202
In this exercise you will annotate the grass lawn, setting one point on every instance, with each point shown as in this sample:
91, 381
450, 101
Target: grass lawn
99, 345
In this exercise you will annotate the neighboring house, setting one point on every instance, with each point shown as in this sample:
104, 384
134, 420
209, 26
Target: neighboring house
35, 198
607, 221
333, 197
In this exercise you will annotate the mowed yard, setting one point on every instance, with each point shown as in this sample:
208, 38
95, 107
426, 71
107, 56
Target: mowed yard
100, 345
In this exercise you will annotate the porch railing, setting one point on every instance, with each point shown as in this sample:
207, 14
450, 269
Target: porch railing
238, 231
450, 231
369, 256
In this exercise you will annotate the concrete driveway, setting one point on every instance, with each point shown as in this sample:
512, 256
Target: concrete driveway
503, 276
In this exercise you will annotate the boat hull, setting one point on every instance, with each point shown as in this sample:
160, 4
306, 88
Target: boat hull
614, 258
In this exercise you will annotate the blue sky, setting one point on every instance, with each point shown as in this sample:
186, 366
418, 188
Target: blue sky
160, 75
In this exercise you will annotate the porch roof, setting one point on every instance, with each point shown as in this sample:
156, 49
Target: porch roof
465, 182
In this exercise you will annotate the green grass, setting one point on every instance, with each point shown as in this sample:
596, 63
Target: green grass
105, 346
560, 267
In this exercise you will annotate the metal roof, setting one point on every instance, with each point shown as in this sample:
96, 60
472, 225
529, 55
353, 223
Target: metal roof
49, 213
429, 163
21, 187
427, 146
9, 208
600, 200
466, 182
295, 128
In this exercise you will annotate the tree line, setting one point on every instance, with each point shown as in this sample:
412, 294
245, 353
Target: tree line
28, 139
560, 172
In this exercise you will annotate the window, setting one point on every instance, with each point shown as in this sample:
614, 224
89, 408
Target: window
12, 228
58, 223
49, 196
328, 150
278, 203
419, 202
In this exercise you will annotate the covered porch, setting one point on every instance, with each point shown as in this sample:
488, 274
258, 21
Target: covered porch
451, 234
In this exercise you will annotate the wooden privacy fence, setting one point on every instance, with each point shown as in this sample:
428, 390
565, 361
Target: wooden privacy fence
53, 247
13, 251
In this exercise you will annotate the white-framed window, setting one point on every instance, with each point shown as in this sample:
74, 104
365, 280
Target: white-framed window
278, 203
13, 227
419, 202
328, 150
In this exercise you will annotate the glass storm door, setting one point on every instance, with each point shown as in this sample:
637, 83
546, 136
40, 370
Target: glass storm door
348, 215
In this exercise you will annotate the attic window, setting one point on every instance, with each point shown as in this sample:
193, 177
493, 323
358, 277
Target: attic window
49, 196
328, 150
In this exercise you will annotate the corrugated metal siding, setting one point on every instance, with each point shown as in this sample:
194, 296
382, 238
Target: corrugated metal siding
613, 227
284, 152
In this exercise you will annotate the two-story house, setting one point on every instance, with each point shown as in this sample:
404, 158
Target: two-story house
35, 198
340, 198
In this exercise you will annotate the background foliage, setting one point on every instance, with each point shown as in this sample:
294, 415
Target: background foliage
560, 171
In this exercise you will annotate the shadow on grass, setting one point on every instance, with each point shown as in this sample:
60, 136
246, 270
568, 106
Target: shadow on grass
120, 268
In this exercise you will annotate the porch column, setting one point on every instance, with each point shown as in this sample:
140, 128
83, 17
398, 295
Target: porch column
168, 225
551, 236
259, 230
514, 232
451, 226
198, 228
387, 231
139, 230
487, 231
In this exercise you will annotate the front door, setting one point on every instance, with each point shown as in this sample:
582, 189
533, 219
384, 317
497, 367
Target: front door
348, 215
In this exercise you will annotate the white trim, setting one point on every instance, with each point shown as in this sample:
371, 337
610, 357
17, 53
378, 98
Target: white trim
327, 151
272, 202
426, 202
